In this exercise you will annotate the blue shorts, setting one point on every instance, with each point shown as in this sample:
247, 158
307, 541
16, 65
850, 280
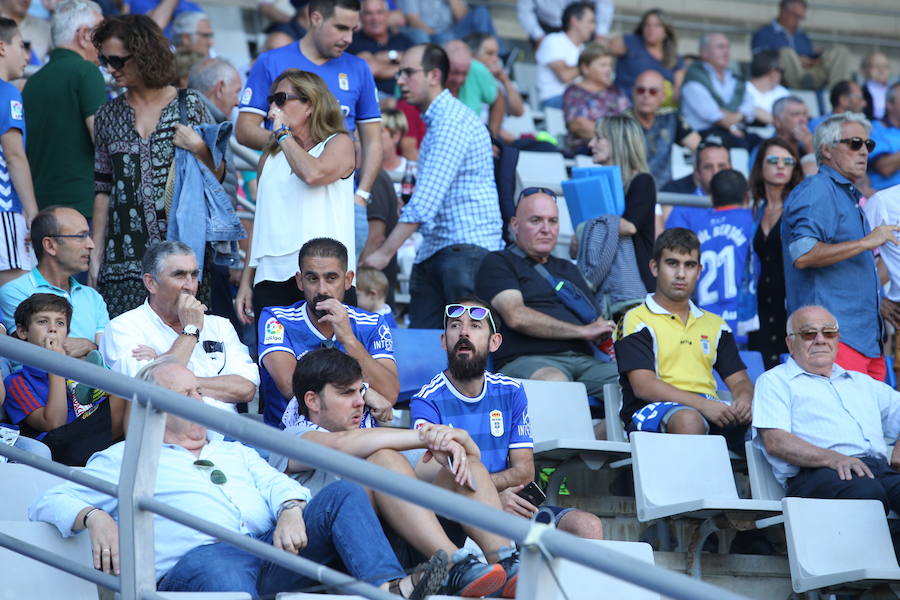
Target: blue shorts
545, 512
655, 416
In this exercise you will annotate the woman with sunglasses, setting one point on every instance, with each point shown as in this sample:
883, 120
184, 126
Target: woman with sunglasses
776, 171
619, 140
305, 190
135, 136
652, 45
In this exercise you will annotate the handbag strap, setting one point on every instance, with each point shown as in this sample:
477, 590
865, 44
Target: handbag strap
541, 269
182, 106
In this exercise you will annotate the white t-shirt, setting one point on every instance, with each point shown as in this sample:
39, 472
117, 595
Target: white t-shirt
884, 209
554, 47
765, 100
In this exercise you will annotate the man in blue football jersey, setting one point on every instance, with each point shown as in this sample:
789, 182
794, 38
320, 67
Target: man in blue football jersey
321, 51
493, 408
322, 320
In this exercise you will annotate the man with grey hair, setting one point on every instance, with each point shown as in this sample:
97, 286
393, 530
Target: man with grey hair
171, 322
192, 32
827, 243
62, 98
885, 171
824, 428
790, 115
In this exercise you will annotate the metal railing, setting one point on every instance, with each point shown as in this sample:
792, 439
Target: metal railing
137, 506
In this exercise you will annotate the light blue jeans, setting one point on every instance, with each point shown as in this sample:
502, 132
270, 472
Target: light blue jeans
361, 226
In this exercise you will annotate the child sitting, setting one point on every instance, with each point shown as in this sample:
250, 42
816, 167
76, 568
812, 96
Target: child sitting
72, 419
371, 293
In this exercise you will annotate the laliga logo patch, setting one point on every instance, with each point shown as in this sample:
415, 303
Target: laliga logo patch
274, 332
496, 423
704, 343
248, 94
15, 110
343, 82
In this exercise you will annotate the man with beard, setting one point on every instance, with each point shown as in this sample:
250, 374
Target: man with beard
494, 410
321, 320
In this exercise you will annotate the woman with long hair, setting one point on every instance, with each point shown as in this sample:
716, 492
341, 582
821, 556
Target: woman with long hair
592, 97
776, 171
619, 140
652, 45
305, 190
135, 136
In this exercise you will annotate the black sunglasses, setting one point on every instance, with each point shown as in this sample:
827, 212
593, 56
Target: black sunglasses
856, 143
530, 191
281, 98
116, 62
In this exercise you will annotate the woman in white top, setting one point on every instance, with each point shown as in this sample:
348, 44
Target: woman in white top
305, 190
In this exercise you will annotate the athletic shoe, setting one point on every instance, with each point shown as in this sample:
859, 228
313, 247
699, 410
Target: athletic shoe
510, 562
471, 578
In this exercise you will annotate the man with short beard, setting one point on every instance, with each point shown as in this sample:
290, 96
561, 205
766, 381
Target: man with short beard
493, 408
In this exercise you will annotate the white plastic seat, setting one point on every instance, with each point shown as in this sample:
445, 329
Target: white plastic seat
763, 485
838, 544
21, 486
205, 595
681, 162
521, 125
740, 160
612, 406
541, 169
555, 123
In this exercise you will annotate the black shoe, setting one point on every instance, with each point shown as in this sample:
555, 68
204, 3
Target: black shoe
471, 578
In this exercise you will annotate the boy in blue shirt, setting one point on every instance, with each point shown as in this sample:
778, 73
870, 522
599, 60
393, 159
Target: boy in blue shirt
73, 420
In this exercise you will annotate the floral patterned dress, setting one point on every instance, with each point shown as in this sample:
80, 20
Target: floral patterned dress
133, 171
579, 102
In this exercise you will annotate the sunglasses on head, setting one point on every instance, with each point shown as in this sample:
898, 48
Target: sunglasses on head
530, 191
808, 335
281, 98
646, 90
116, 62
788, 161
476, 313
856, 143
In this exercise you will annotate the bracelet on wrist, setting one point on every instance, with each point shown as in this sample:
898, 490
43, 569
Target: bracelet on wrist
84, 519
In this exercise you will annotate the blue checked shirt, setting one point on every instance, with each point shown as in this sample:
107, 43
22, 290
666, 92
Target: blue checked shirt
455, 200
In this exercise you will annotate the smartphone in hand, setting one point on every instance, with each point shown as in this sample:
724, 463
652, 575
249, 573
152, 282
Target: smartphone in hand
533, 493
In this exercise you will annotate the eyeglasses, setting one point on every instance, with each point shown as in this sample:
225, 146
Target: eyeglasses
642, 90
530, 191
476, 313
81, 236
808, 335
216, 476
27, 45
281, 98
406, 72
207, 35
116, 62
788, 161
856, 143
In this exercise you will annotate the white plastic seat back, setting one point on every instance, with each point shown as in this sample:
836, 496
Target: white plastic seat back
582, 160
681, 162
541, 169
612, 405
558, 409
582, 583
521, 125
21, 486
828, 537
763, 485
24, 577
555, 123
740, 160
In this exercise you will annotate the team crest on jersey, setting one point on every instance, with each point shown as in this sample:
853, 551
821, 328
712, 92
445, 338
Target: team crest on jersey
704, 343
274, 332
248, 94
15, 110
419, 424
496, 423
343, 82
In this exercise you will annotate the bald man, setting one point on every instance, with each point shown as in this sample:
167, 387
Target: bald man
471, 81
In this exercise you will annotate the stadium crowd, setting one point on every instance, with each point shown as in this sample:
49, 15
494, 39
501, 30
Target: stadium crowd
379, 129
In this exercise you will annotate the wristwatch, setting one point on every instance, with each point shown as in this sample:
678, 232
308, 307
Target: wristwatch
191, 330
287, 505
394, 56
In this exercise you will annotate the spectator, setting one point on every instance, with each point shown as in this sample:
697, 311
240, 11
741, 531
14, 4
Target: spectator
321, 319
247, 497
592, 97
714, 98
376, 44
372, 291
440, 21
827, 246
415, 131
73, 420
486, 50
709, 158
307, 171
284, 31
652, 45
322, 51
328, 386
134, 150
876, 73
393, 130
383, 213
455, 201
823, 428
546, 338
540, 18
17, 202
725, 232
472, 83
193, 32
667, 348
790, 116
846, 96
184, 62
62, 98
663, 127
765, 84
804, 67
557, 56
885, 159
469, 397
162, 11
882, 209
619, 141
35, 32
774, 174
62, 245
171, 321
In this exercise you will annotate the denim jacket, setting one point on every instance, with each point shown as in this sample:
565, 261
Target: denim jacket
201, 211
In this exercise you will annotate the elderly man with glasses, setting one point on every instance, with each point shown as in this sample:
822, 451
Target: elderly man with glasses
827, 243
823, 428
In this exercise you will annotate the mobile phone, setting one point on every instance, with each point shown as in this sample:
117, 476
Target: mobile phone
533, 493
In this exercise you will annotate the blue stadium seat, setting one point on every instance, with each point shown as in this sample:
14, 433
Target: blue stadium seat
755, 367
419, 358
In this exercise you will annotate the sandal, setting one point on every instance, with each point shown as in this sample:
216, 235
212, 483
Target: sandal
427, 578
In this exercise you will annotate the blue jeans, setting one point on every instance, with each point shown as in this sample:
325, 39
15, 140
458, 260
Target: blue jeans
444, 277
361, 227
340, 524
